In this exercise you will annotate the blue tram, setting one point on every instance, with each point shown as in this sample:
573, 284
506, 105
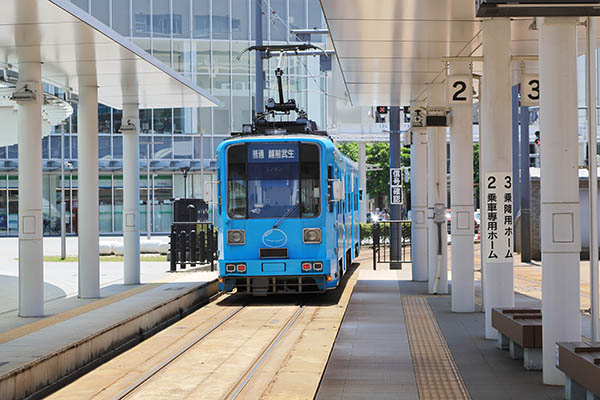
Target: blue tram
288, 213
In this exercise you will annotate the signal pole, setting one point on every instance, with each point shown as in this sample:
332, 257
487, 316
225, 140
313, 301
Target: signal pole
260, 77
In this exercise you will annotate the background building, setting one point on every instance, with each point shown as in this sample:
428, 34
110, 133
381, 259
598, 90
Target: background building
202, 40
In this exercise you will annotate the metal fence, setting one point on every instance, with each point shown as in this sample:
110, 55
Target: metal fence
384, 232
192, 243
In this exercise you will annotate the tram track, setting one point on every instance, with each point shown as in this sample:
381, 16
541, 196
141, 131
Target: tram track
137, 384
239, 347
243, 380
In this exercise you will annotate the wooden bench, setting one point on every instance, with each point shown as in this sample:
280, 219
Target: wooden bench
520, 331
581, 364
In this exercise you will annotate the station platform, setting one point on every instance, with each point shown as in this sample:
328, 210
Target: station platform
76, 335
397, 342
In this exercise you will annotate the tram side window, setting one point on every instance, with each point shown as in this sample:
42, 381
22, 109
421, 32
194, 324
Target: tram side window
237, 182
310, 196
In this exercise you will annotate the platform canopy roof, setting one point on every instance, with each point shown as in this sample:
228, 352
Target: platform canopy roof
75, 49
388, 50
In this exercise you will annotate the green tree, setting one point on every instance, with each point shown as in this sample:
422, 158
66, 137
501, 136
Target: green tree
350, 150
378, 182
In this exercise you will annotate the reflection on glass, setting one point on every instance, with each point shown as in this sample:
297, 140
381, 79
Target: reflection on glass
141, 18
240, 19
182, 56
45, 150
181, 18
201, 16
163, 120
54, 147
117, 147
104, 119
161, 49
162, 147
101, 11
161, 18
104, 152
220, 19
105, 210
183, 148
117, 118
279, 21
221, 59
145, 121
120, 17
297, 17
202, 51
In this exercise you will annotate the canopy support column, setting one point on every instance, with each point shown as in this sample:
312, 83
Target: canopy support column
496, 172
418, 201
461, 192
560, 209
437, 194
131, 194
87, 216
31, 262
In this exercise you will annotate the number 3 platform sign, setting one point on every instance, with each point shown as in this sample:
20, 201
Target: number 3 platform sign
530, 90
498, 217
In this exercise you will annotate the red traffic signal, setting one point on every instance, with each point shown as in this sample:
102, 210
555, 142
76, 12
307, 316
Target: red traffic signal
382, 109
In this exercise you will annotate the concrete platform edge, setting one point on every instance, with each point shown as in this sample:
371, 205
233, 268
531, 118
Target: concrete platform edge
45, 374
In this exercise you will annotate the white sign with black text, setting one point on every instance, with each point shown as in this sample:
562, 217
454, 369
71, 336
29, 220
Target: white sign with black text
530, 90
395, 186
460, 89
498, 217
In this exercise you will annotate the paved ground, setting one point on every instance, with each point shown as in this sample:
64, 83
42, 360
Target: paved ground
372, 357
60, 279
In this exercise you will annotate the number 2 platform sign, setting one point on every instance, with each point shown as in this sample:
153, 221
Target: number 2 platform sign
498, 217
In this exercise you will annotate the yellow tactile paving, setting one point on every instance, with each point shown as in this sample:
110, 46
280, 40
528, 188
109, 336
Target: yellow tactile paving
55, 319
435, 370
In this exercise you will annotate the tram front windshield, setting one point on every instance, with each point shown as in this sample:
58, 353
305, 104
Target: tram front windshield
273, 179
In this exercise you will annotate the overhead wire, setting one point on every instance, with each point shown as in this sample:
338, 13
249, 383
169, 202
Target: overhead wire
274, 13
457, 55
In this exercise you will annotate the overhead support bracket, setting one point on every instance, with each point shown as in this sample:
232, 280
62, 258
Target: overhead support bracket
480, 58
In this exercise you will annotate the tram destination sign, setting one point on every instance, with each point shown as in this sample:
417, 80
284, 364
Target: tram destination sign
395, 186
498, 217
537, 8
263, 152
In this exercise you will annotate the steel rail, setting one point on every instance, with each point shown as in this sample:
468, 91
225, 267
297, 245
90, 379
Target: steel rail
237, 389
134, 386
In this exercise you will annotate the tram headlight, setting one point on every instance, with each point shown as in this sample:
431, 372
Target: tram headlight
311, 235
236, 236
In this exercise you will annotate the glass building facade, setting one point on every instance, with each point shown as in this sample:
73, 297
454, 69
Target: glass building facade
203, 40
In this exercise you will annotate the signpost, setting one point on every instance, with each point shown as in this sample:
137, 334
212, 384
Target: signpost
396, 186
499, 238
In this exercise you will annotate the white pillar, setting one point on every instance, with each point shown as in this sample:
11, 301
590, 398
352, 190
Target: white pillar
418, 201
461, 192
31, 262
560, 210
131, 195
87, 193
362, 179
437, 193
496, 155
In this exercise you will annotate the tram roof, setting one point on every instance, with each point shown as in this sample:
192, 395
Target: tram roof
76, 48
389, 50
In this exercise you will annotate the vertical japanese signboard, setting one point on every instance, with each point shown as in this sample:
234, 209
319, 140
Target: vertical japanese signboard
395, 186
499, 217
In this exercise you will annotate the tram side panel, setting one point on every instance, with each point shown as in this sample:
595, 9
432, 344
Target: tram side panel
274, 246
